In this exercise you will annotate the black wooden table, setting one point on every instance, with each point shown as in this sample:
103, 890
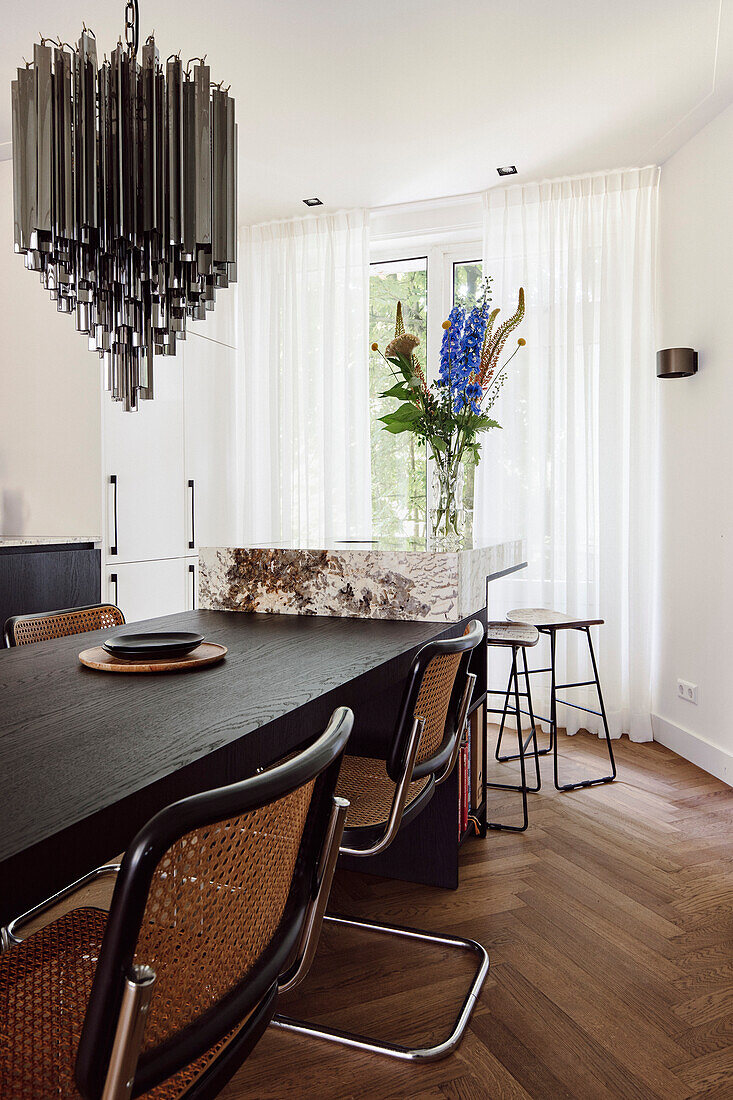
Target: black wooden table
87, 757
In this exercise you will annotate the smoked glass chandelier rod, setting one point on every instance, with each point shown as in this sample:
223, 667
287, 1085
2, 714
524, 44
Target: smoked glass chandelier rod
125, 195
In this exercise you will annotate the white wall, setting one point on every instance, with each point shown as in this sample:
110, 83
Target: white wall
696, 451
50, 459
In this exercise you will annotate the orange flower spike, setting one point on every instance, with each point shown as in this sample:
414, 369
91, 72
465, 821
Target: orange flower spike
399, 327
375, 347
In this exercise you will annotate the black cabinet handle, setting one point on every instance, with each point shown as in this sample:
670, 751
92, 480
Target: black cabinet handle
192, 540
115, 582
192, 571
113, 483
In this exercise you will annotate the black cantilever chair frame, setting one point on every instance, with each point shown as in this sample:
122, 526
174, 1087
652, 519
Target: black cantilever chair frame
413, 763
186, 879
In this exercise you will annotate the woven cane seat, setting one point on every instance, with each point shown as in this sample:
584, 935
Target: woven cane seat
546, 619
44, 988
365, 783
27, 629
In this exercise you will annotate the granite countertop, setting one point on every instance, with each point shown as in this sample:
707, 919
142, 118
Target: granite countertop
369, 546
9, 541
405, 579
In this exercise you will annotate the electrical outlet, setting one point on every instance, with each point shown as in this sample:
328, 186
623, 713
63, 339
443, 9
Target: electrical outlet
686, 690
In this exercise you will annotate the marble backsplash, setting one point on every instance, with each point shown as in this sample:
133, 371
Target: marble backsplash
369, 583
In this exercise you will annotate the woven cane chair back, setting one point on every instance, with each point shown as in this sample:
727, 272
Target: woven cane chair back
211, 895
433, 701
433, 694
26, 629
215, 902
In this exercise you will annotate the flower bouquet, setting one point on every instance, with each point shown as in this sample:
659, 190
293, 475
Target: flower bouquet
451, 412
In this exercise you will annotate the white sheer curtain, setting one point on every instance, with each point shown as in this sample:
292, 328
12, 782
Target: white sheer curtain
304, 380
573, 468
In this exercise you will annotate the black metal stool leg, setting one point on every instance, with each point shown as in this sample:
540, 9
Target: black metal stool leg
553, 711
532, 737
527, 672
503, 720
532, 726
612, 776
522, 787
548, 750
602, 714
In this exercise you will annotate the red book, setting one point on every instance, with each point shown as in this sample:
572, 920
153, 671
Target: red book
464, 788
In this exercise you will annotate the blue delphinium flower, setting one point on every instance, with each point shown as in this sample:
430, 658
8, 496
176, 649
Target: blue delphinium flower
451, 348
473, 338
460, 356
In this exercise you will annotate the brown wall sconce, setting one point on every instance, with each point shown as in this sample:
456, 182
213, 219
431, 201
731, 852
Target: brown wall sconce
676, 363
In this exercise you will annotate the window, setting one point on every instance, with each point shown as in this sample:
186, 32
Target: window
399, 465
466, 283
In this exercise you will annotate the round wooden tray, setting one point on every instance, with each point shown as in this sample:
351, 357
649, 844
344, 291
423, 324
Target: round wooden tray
205, 654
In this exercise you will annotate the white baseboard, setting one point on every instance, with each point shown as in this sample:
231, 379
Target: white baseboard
711, 758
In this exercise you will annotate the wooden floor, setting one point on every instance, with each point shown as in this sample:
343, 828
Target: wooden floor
611, 938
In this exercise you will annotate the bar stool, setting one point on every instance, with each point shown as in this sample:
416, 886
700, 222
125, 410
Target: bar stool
518, 637
549, 622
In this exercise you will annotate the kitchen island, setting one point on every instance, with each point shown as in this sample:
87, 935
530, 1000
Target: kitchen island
403, 581
399, 579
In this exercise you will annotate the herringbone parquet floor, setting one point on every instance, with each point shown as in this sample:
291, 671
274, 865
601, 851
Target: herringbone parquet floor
610, 929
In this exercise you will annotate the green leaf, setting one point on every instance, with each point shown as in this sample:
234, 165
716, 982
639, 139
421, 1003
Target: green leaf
406, 412
438, 444
403, 365
395, 429
398, 390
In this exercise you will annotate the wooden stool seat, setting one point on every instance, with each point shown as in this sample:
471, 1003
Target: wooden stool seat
545, 619
503, 633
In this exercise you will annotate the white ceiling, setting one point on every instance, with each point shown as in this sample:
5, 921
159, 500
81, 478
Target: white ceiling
372, 102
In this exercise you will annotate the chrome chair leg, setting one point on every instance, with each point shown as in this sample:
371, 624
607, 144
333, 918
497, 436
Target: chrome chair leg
395, 1050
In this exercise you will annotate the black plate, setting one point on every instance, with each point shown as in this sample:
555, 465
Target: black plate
158, 644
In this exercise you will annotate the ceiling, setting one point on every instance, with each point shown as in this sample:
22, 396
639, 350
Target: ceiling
374, 102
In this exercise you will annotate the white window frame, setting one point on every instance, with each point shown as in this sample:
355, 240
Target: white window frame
441, 258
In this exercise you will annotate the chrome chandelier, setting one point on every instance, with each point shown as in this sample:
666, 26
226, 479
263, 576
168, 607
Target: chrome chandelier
125, 195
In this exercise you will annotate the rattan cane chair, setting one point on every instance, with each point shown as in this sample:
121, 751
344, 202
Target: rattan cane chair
217, 907
384, 795
26, 629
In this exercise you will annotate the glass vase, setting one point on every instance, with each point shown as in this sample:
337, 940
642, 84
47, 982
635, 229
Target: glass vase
451, 512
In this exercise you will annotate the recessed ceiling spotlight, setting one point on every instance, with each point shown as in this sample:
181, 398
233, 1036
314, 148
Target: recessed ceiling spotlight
312, 202
507, 170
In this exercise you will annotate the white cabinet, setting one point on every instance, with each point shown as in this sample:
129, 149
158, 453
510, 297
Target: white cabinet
145, 495
145, 589
209, 380
170, 479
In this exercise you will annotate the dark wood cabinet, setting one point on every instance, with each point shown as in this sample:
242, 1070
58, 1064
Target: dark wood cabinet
47, 577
